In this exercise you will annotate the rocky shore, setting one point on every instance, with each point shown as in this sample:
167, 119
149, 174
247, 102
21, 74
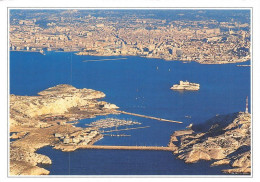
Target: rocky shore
224, 139
36, 121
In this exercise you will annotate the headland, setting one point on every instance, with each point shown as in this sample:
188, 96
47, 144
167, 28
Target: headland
224, 139
38, 121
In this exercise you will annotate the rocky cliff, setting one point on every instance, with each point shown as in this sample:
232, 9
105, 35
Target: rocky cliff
223, 139
54, 100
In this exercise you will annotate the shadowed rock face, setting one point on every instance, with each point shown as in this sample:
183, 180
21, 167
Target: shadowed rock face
34, 121
224, 139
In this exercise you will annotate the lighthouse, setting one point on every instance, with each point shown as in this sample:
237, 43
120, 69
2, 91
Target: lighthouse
246, 104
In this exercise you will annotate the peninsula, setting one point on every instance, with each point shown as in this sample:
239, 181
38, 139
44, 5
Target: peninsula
38, 121
224, 139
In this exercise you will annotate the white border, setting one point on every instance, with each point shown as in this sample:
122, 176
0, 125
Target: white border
202, 4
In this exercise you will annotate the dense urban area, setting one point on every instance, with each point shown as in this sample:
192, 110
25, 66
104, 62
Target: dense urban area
206, 41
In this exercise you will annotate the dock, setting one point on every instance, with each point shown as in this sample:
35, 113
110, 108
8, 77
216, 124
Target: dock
150, 117
126, 129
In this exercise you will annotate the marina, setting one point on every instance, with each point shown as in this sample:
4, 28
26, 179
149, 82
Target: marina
125, 129
112, 122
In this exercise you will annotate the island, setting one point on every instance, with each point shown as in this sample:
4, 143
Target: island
224, 140
38, 121
185, 85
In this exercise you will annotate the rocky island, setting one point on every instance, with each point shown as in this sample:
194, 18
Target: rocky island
224, 140
38, 121
185, 85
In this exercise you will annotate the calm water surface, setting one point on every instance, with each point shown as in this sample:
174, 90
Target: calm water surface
138, 85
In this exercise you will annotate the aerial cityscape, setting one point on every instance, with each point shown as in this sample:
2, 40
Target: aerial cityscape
130, 92
205, 41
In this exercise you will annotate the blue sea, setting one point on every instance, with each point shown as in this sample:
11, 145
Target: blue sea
138, 85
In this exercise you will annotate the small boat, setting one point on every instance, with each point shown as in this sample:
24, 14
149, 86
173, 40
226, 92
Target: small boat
190, 126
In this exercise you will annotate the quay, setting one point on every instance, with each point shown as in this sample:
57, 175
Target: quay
70, 148
150, 117
39, 51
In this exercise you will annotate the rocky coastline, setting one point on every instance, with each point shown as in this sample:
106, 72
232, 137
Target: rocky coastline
36, 121
44, 120
224, 139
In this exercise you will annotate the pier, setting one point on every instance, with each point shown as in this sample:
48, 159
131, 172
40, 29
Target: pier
126, 129
150, 117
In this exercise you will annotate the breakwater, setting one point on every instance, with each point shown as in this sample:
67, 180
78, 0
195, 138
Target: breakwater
150, 117
70, 148
104, 59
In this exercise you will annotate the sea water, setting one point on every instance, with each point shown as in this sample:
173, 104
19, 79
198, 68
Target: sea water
138, 85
